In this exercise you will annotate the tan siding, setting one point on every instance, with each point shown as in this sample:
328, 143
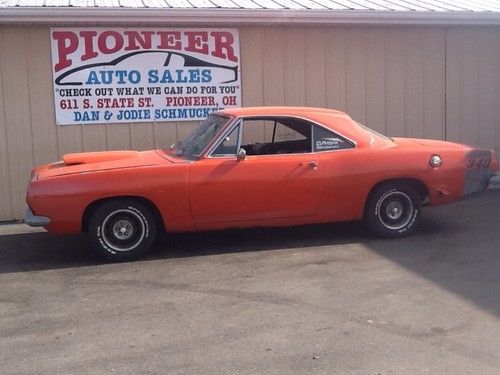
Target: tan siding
315, 67
252, 66
453, 85
41, 97
413, 84
434, 84
185, 128
336, 68
469, 91
118, 136
273, 66
294, 67
166, 134
252, 69
391, 78
356, 74
489, 52
395, 88
142, 136
70, 138
376, 80
17, 113
472, 85
6, 212
94, 138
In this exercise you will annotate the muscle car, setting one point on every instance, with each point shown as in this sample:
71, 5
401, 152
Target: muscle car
247, 167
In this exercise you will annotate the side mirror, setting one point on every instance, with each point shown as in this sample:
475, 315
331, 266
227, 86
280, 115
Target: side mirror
241, 155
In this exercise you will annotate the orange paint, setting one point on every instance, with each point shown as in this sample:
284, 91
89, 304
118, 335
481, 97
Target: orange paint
262, 190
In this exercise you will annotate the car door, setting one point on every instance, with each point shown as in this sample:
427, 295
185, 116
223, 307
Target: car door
223, 189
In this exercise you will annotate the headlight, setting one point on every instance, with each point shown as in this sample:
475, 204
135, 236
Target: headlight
435, 161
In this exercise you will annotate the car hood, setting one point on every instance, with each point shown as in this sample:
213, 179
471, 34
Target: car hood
86, 162
98, 157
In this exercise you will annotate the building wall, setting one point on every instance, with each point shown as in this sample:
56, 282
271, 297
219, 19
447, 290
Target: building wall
430, 82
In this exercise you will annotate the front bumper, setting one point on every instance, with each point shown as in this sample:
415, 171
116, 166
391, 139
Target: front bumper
35, 221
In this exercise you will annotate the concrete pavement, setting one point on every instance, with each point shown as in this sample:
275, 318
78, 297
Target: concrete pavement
317, 299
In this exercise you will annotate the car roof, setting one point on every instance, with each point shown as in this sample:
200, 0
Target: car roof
337, 121
280, 111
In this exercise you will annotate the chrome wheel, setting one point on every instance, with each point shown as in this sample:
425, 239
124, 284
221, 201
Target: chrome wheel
123, 230
395, 210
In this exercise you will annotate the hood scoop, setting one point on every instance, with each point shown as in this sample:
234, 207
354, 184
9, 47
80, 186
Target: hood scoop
97, 157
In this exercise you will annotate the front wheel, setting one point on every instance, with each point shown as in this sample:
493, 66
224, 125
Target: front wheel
393, 210
122, 230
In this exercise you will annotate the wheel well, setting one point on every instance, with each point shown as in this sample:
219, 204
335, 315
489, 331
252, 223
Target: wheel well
87, 214
418, 185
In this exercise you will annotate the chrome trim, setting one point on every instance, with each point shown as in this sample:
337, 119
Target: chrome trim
34, 220
217, 139
204, 152
432, 160
495, 180
279, 155
331, 131
221, 139
231, 126
305, 119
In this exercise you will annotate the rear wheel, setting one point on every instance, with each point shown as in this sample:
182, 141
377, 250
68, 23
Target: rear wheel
122, 230
393, 210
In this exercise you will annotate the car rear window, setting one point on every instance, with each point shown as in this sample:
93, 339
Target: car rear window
326, 140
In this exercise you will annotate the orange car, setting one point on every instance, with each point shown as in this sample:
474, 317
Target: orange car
247, 167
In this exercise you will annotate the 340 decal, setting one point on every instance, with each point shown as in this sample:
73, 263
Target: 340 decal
478, 163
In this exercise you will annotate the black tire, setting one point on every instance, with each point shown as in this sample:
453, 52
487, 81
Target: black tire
122, 230
393, 210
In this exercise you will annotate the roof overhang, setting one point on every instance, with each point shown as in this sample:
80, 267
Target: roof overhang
230, 17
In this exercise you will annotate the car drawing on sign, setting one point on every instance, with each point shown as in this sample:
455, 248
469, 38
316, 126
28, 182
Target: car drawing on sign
110, 72
248, 167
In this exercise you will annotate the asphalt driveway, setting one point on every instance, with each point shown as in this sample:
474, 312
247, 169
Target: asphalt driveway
315, 299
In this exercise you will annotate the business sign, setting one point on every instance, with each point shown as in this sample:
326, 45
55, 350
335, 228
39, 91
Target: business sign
111, 75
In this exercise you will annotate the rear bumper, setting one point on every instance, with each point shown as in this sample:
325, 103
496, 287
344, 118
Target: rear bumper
495, 181
492, 183
34, 220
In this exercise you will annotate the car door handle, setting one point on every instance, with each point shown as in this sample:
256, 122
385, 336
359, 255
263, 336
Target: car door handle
312, 164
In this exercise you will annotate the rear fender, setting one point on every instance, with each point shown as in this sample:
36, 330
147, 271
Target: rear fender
481, 166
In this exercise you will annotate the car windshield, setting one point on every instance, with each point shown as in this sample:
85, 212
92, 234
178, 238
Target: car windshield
194, 144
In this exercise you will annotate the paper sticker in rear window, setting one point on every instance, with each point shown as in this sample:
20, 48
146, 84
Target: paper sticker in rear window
325, 140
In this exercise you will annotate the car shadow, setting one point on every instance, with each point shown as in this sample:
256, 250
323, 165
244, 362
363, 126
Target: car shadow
43, 251
181, 245
457, 247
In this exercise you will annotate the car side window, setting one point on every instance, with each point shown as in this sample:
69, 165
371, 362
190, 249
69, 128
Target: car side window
326, 140
229, 145
276, 135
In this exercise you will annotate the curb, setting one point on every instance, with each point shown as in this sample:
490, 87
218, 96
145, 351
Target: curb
10, 228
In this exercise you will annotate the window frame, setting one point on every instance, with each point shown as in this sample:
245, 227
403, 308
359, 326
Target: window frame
276, 121
223, 138
336, 134
240, 121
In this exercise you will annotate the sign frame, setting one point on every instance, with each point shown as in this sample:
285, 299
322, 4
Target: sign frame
107, 75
